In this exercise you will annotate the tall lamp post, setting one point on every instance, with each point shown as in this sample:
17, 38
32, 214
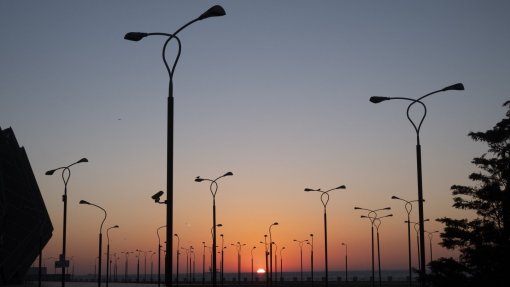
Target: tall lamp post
377, 224
253, 248
66, 174
108, 253
324, 200
417, 127
281, 263
430, 234
177, 258
372, 215
222, 258
100, 240
159, 254
238, 246
408, 205
203, 263
416, 226
346, 278
137, 36
271, 254
266, 253
213, 187
301, 242
311, 255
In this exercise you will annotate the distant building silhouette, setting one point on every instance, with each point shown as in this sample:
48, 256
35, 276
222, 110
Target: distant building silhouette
25, 226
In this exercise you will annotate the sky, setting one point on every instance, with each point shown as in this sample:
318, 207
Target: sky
275, 92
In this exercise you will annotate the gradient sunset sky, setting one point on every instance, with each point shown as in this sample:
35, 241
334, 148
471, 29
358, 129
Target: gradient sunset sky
276, 92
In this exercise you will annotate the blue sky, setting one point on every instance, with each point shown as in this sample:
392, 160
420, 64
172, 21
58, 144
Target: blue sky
276, 91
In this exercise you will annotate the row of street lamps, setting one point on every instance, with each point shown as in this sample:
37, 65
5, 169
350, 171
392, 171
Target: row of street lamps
214, 12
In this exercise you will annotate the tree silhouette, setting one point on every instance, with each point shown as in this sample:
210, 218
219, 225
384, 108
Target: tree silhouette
484, 239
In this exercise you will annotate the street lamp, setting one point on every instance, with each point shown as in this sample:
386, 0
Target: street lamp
377, 224
346, 278
159, 254
271, 254
126, 265
222, 258
281, 264
372, 215
66, 174
266, 253
311, 256
416, 226
137, 36
409, 207
300, 242
177, 258
100, 239
430, 242
213, 187
108, 253
253, 248
203, 262
324, 200
375, 100
238, 246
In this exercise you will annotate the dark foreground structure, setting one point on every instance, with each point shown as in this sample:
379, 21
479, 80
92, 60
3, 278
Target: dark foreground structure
25, 226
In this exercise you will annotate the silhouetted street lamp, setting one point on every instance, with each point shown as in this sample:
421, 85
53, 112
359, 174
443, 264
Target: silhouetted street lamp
100, 239
301, 242
271, 255
409, 207
126, 265
108, 253
346, 278
177, 258
430, 242
66, 174
137, 36
416, 226
311, 255
324, 200
203, 262
372, 215
377, 224
253, 248
455, 87
238, 246
213, 187
266, 254
281, 263
159, 255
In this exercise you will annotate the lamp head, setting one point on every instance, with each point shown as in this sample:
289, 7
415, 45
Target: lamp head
275, 223
377, 100
341, 187
219, 225
309, 189
395, 197
115, 226
214, 11
198, 179
456, 87
343, 243
311, 234
82, 160
356, 207
387, 208
135, 36
228, 174
84, 202
50, 172
157, 196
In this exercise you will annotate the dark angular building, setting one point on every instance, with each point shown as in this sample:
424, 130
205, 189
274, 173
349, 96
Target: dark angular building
25, 226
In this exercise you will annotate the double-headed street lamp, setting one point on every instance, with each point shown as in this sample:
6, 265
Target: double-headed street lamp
409, 207
372, 215
137, 36
324, 200
301, 242
281, 263
271, 255
66, 174
100, 239
377, 224
417, 127
430, 234
238, 246
213, 187
108, 253
416, 226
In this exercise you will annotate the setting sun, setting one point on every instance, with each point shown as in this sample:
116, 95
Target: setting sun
261, 270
